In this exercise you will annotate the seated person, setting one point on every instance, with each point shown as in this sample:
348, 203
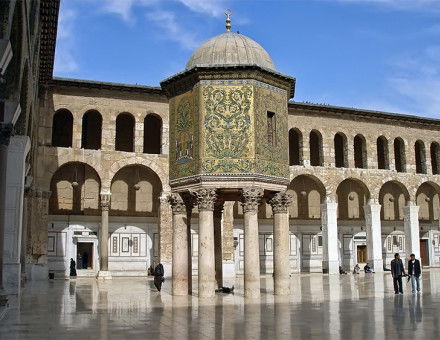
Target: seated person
342, 271
367, 269
356, 269
227, 290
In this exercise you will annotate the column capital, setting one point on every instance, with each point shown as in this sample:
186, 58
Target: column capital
205, 198
105, 202
164, 197
251, 198
280, 202
177, 204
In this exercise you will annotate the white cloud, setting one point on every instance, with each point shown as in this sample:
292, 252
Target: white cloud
416, 80
424, 5
65, 61
212, 7
171, 29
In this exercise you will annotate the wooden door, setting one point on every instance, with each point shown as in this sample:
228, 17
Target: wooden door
362, 254
424, 254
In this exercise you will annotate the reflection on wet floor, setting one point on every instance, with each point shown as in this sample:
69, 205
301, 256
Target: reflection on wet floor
320, 306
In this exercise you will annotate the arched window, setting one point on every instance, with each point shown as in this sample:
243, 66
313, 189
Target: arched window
340, 144
399, 155
419, 148
435, 158
295, 147
124, 132
382, 153
91, 130
360, 152
315, 141
152, 134
62, 128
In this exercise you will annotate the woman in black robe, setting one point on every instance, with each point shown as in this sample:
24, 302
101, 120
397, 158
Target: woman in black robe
72, 268
158, 275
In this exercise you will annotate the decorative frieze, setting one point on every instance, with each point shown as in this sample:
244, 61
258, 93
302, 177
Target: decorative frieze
251, 199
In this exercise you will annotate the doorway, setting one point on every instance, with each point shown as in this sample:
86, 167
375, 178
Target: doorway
424, 254
362, 254
84, 255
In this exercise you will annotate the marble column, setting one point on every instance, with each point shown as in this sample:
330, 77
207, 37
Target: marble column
180, 245
218, 211
104, 273
374, 235
329, 222
165, 233
281, 258
12, 211
412, 232
189, 201
205, 201
251, 198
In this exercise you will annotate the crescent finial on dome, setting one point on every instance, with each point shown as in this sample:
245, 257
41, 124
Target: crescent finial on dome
228, 14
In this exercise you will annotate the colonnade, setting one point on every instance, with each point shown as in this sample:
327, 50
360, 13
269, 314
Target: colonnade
210, 207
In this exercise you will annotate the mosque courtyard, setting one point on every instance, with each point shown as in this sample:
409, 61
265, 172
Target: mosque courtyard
320, 306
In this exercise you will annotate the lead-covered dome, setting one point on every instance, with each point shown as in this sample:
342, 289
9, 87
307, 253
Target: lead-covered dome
230, 49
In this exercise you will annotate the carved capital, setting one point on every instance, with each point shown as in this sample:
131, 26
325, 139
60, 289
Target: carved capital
280, 202
105, 202
5, 133
251, 198
205, 198
177, 204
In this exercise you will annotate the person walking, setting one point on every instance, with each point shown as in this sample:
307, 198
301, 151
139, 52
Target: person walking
158, 274
397, 271
414, 272
72, 268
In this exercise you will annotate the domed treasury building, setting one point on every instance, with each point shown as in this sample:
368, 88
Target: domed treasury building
219, 173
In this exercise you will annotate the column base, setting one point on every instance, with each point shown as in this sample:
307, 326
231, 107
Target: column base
330, 267
207, 289
377, 265
11, 278
104, 275
281, 286
179, 287
252, 290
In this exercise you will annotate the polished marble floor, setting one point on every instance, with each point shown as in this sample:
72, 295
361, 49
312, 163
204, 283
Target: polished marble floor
320, 306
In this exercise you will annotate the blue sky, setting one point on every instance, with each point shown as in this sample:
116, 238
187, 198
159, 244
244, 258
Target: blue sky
372, 54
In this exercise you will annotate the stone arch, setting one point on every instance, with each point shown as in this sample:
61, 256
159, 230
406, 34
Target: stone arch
151, 164
91, 130
399, 155
153, 133
360, 152
62, 128
352, 194
435, 158
316, 148
125, 126
420, 157
135, 191
341, 150
75, 189
383, 158
308, 193
393, 197
295, 146
427, 198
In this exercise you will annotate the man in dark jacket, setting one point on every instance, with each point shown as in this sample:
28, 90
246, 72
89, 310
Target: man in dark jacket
158, 275
414, 271
397, 271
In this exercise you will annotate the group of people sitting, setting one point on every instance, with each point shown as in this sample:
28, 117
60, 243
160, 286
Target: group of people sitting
367, 269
